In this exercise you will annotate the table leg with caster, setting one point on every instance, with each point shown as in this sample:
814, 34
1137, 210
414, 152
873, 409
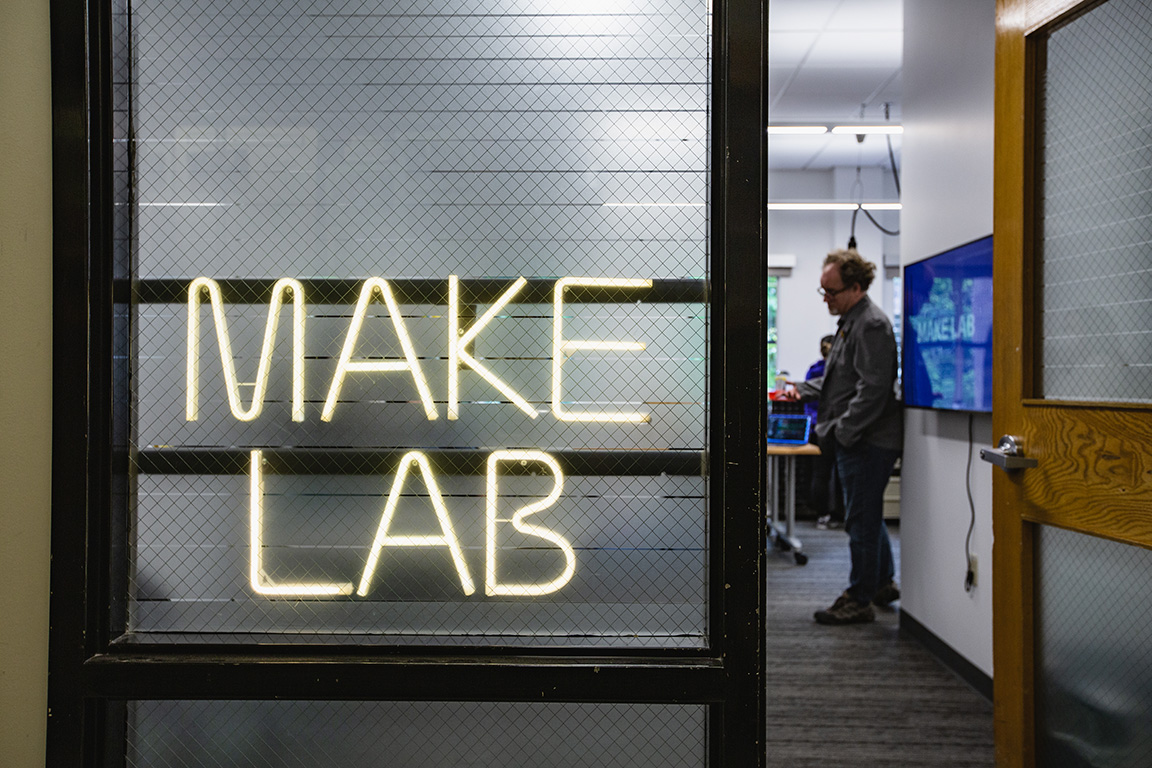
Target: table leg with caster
790, 500
785, 540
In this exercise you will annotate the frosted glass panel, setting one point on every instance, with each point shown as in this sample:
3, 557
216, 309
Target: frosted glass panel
296, 734
1095, 274
406, 443
638, 578
1093, 669
420, 138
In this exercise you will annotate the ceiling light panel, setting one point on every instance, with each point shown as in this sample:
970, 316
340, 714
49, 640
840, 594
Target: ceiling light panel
797, 130
867, 130
815, 153
811, 206
832, 206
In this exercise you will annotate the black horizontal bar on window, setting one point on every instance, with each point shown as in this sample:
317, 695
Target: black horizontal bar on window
417, 291
349, 461
391, 677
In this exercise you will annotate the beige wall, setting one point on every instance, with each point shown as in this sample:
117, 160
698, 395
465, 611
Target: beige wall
25, 377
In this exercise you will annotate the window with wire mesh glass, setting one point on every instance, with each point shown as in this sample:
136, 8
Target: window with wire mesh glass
418, 339
1093, 672
417, 735
1093, 274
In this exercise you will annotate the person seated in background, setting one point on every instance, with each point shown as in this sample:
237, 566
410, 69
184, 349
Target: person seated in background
817, 369
824, 494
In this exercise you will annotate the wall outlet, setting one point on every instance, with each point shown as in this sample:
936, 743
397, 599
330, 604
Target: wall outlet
972, 568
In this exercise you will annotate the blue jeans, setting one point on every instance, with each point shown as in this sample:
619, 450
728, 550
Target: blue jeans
864, 471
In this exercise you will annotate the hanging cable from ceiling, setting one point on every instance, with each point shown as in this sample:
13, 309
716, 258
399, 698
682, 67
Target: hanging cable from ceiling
858, 185
891, 154
857, 193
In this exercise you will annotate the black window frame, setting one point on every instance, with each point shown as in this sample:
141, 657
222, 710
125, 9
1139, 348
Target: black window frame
90, 677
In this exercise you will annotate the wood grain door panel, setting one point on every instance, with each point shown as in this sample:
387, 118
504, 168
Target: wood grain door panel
1094, 472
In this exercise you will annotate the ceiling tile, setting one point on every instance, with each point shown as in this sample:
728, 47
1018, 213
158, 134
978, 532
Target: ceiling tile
842, 50
891, 94
788, 49
800, 14
822, 152
830, 95
856, 15
826, 58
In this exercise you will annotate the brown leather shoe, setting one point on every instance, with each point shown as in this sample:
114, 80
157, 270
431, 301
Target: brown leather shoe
846, 611
886, 595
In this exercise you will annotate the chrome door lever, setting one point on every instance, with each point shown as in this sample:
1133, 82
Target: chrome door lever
1008, 454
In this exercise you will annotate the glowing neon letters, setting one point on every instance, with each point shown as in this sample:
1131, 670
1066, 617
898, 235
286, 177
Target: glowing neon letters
458, 340
458, 356
563, 348
447, 538
283, 288
491, 585
411, 363
256, 575
497, 524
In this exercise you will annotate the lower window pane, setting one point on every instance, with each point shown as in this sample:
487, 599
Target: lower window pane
1093, 670
638, 575
414, 734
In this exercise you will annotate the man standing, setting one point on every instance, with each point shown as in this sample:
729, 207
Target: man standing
860, 425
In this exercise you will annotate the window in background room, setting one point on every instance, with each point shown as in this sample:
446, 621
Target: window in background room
771, 375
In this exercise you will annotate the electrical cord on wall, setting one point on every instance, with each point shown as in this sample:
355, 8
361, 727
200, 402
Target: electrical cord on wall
970, 575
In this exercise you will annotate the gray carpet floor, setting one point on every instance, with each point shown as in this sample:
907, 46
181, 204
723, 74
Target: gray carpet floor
860, 695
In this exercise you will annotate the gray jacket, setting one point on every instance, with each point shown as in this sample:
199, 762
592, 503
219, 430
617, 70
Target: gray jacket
858, 389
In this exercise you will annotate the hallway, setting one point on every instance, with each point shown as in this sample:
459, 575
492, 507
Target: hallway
860, 695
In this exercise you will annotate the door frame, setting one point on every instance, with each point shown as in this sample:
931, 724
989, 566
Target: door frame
1021, 30
90, 677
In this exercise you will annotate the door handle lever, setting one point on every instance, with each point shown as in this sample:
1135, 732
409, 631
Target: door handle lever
1008, 454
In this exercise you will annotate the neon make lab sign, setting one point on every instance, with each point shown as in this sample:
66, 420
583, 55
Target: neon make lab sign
458, 337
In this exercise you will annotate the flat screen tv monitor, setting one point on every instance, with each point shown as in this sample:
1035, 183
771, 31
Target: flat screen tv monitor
947, 334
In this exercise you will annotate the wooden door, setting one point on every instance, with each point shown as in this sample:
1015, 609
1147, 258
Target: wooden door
1092, 444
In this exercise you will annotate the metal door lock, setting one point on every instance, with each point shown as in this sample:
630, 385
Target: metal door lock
1008, 454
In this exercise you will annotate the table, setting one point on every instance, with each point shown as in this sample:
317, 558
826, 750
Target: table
787, 540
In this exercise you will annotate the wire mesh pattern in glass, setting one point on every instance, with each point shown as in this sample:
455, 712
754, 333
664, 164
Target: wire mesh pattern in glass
418, 321
1093, 631
1095, 275
291, 734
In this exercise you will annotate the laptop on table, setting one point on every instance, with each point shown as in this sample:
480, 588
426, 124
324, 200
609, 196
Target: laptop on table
788, 429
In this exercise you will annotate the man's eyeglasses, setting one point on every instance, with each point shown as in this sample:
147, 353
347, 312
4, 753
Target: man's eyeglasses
830, 292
